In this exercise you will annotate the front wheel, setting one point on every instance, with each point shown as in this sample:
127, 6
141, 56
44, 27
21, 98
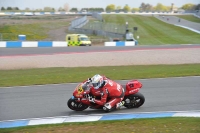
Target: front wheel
77, 106
134, 100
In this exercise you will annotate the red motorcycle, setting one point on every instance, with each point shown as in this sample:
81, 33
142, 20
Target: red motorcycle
79, 101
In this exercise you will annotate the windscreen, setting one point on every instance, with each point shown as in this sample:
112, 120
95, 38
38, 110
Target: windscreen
85, 87
84, 39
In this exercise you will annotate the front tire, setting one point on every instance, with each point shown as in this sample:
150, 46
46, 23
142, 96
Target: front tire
135, 100
77, 106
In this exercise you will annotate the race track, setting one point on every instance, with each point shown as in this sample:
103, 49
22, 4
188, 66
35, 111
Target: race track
67, 50
170, 94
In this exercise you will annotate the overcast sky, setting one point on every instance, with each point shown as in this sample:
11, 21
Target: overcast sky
40, 4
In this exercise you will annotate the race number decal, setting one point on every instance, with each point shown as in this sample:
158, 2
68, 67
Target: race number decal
118, 87
80, 89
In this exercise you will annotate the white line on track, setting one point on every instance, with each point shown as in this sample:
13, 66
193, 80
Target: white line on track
103, 114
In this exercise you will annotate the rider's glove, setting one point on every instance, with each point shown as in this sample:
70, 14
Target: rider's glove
91, 99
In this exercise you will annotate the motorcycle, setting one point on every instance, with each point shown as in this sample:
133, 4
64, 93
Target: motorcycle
79, 101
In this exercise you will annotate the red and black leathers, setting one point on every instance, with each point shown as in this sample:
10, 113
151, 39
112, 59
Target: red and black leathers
111, 90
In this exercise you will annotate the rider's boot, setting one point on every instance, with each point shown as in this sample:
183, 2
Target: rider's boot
119, 105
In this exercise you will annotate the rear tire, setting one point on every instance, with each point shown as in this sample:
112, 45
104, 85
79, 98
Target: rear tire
136, 100
77, 106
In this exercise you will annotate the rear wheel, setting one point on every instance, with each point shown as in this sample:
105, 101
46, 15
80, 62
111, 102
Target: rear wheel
77, 106
134, 100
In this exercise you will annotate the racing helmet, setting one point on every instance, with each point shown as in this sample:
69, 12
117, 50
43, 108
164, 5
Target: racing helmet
97, 81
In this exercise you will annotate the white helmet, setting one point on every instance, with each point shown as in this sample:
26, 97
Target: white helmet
97, 81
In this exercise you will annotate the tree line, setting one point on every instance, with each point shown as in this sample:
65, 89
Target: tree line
111, 7
149, 7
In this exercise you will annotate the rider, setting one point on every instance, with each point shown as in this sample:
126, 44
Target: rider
109, 89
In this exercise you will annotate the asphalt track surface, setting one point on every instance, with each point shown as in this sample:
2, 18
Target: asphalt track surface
66, 50
170, 94
175, 20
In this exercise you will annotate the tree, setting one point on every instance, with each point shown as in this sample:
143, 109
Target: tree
142, 7
39, 10
9, 8
160, 7
61, 9
86, 9
145, 7
99, 9
149, 7
135, 9
119, 8
110, 7
73, 10
27, 9
66, 7
93, 9
197, 7
15, 8
126, 8
2, 8
48, 9
188, 6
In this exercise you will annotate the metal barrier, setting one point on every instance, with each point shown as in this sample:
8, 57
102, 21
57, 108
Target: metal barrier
99, 28
98, 32
22, 44
97, 16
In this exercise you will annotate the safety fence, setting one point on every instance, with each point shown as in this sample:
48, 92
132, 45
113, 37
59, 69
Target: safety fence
78, 22
121, 43
25, 44
97, 16
98, 28
20, 44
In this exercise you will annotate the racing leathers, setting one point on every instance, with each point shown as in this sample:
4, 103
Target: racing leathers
111, 95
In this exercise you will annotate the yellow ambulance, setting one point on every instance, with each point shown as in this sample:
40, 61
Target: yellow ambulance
78, 40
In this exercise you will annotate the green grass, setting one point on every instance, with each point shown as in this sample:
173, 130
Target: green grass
154, 125
150, 30
153, 31
189, 18
68, 75
33, 31
30, 30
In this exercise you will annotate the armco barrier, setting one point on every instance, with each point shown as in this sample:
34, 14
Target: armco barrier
23, 44
133, 43
20, 44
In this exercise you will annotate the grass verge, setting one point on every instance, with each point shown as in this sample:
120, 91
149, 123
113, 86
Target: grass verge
189, 18
154, 125
78, 74
152, 31
34, 31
